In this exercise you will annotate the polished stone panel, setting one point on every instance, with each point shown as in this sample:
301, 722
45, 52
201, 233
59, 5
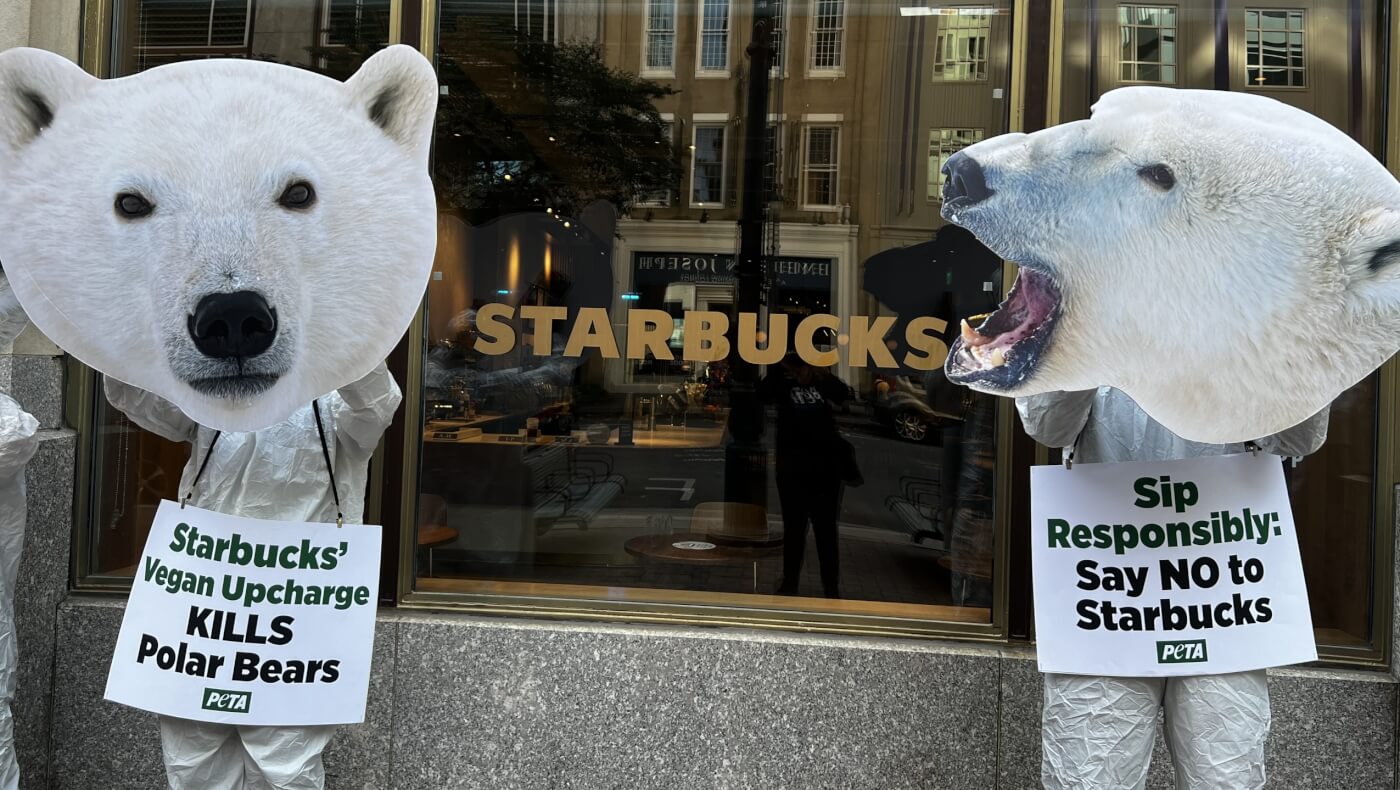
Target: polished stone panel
42, 582
494, 705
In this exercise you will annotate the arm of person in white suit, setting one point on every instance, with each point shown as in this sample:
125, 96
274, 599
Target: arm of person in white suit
1055, 418
19, 437
365, 410
150, 411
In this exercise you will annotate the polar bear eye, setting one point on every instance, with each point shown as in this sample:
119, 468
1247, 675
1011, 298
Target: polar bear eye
132, 206
298, 195
1158, 175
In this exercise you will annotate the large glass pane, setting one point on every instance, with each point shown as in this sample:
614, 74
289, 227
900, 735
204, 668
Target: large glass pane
134, 469
630, 404
1334, 491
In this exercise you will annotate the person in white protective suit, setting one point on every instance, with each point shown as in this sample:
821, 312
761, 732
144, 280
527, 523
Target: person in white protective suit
1097, 732
277, 473
19, 438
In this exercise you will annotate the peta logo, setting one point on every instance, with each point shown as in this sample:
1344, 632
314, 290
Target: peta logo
1189, 652
227, 701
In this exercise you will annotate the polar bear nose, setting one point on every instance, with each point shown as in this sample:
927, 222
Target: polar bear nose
964, 181
240, 324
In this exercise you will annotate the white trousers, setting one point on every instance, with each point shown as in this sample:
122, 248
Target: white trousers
1097, 732
203, 756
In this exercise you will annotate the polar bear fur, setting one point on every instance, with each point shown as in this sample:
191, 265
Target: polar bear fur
211, 145
1233, 305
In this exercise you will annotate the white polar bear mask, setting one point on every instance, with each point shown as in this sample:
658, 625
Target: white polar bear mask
235, 236
1228, 261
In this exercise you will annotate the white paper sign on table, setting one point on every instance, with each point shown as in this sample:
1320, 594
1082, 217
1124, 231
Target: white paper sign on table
1167, 568
245, 621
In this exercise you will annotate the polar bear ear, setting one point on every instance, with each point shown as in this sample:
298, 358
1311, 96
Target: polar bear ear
1374, 248
34, 86
398, 90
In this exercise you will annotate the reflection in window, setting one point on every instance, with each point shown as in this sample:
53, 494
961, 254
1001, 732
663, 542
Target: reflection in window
661, 197
772, 162
960, 50
943, 143
1148, 43
714, 35
828, 33
821, 168
707, 173
1274, 48
175, 30
778, 34
661, 35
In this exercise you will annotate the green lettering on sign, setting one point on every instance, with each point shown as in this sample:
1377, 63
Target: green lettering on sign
1191, 651
226, 701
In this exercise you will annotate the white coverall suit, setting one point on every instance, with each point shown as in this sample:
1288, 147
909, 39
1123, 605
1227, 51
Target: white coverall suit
1097, 732
18, 440
277, 473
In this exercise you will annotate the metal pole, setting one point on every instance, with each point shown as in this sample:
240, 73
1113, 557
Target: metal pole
746, 464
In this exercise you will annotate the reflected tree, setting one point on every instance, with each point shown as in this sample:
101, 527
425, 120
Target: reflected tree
530, 125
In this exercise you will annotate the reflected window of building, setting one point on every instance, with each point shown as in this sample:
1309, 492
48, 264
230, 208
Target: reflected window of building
714, 35
175, 30
707, 163
778, 38
960, 49
1274, 54
1148, 43
828, 35
943, 143
821, 166
662, 197
661, 36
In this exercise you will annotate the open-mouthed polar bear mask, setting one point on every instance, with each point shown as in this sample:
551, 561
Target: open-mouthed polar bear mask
1230, 262
238, 237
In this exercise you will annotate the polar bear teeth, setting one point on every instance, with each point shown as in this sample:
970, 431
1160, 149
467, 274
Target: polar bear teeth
992, 358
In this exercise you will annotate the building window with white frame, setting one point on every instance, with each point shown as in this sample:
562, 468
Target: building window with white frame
821, 166
828, 34
779, 35
714, 35
707, 165
1148, 43
1273, 45
943, 143
960, 49
661, 197
660, 42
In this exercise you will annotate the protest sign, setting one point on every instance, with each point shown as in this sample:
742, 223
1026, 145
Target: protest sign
1167, 568
245, 621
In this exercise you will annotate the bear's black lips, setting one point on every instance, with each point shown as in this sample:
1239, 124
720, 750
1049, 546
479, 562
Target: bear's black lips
1020, 331
236, 386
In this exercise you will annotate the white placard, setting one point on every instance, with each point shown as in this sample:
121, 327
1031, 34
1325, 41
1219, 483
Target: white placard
1167, 568
245, 621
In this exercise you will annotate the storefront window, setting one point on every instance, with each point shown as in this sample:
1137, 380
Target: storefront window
1334, 491
132, 470
622, 402
631, 258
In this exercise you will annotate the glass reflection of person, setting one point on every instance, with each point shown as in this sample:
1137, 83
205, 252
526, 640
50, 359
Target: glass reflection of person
808, 465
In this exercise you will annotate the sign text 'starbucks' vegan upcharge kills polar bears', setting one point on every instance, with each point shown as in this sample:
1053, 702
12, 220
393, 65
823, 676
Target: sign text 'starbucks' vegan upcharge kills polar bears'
1230, 262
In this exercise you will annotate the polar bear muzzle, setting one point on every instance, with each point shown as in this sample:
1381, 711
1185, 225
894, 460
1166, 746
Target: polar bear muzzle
232, 331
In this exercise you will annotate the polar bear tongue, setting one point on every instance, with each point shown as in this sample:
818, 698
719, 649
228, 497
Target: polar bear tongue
1030, 304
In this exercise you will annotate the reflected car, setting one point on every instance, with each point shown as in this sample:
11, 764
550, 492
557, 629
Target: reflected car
905, 408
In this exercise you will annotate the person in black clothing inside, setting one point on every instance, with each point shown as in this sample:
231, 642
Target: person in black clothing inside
809, 460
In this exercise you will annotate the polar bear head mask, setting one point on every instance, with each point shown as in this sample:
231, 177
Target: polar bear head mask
1230, 262
235, 236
